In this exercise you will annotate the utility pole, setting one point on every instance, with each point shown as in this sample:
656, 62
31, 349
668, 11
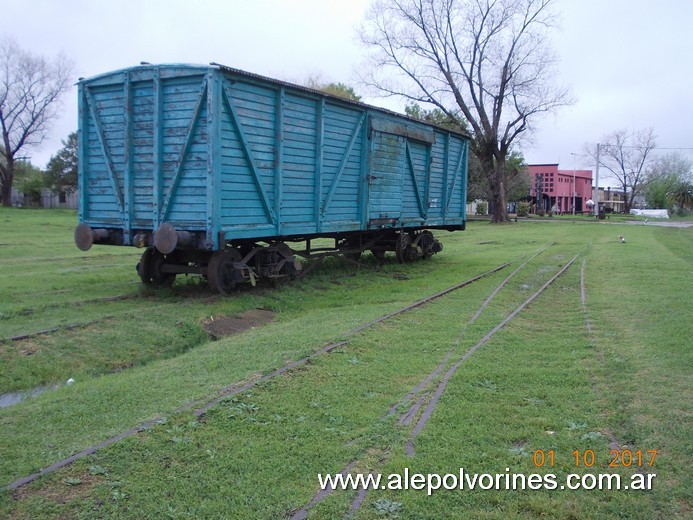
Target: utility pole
596, 184
573, 154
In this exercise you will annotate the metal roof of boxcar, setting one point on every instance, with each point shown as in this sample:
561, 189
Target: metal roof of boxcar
142, 66
266, 79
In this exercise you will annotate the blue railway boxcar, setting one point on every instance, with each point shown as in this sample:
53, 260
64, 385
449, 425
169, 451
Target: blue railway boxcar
213, 170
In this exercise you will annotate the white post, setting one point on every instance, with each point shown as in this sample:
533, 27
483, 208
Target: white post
596, 185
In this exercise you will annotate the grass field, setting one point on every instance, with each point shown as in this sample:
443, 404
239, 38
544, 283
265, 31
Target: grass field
610, 379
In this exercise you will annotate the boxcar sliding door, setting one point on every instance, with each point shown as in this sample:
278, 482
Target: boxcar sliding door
399, 173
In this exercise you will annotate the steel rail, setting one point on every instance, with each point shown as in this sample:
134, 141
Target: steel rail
430, 298
202, 405
430, 407
613, 444
82, 324
408, 416
416, 390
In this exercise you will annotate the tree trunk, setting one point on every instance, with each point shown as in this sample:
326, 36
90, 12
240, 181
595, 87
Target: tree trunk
6, 192
494, 170
500, 204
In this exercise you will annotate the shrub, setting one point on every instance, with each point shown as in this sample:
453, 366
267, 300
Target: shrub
522, 209
482, 208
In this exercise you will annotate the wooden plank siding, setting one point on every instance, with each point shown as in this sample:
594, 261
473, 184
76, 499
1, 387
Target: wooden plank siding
239, 156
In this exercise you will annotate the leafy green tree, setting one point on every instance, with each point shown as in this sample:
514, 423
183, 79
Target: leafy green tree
658, 190
518, 179
682, 195
29, 180
341, 90
61, 172
666, 176
436, 116
316, 82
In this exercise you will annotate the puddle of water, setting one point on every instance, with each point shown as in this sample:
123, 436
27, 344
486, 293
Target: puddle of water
13, 398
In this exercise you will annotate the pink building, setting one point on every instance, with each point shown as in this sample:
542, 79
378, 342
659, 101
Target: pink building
555, 188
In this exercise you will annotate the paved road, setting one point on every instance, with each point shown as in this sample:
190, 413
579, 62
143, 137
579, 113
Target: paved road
661, 223
657, 222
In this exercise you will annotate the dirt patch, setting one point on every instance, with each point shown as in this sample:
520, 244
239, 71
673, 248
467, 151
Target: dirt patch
519, 444
24, 347
120, 366
221, 326
60, 492
29, 350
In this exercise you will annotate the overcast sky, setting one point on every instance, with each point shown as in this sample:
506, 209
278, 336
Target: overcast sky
627, 61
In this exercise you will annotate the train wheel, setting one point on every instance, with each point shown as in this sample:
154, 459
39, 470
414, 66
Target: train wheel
293, 265
351, 248
404, 251
149, 268
283, 249
221, 273
426, 244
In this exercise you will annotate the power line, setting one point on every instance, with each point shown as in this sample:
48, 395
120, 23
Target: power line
640, 147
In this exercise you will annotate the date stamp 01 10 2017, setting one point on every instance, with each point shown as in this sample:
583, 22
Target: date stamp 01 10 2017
587, 458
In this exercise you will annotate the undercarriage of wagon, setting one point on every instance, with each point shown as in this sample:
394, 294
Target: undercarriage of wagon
247, 261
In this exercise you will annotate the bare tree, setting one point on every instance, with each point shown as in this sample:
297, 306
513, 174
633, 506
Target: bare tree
627, 156
485, 61
30, 89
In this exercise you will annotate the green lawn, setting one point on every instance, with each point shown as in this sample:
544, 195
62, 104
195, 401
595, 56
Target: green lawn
545, 382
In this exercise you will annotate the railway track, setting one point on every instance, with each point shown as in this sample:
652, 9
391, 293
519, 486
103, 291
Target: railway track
26, 311
419, 398
77, 325
200, 407
407, 416
66, 290
428, 411
31, 311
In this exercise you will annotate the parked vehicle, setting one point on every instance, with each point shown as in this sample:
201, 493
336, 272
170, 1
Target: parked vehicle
215, 171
